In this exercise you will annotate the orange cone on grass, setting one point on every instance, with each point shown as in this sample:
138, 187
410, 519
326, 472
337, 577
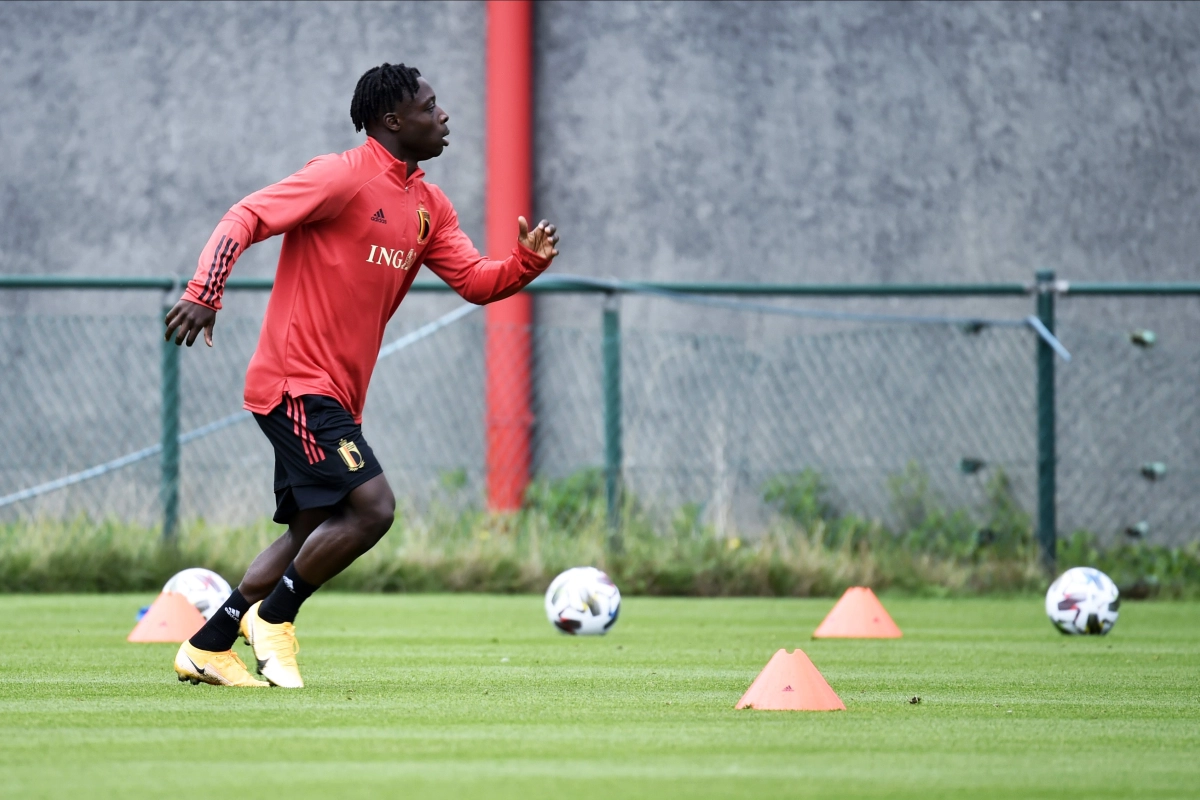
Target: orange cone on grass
858, 615
170, 618
790, 682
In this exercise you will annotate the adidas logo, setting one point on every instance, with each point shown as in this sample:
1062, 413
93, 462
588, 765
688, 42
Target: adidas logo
379, 217
288, 583
233, 612
788, 689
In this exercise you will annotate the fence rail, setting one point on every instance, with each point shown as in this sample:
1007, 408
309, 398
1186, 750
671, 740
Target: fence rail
1043, 290
549, 284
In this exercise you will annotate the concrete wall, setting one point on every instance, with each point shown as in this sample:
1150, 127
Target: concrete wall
129, 128
894, 142
873, 142
763, 141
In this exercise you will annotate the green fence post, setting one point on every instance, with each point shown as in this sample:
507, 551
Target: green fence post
611, 347
1047, 460
168, 489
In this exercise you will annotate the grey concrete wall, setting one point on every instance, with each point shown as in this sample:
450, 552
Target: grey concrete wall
893, 142
873, 142
128, 129
764, 141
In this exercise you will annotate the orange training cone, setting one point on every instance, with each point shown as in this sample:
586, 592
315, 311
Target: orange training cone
170, 618
790, 682
858, 615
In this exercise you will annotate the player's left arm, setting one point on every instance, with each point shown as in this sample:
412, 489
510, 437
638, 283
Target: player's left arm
454, 259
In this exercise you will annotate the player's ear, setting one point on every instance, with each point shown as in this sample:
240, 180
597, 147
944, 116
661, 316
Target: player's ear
392, 121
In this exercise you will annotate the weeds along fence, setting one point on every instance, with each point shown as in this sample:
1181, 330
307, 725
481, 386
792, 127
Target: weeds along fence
714, 405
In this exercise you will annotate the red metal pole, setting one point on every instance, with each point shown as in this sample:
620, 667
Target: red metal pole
509, 348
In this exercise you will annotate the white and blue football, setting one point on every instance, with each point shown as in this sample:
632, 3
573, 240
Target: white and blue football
203, 588
583, 601
1083, 601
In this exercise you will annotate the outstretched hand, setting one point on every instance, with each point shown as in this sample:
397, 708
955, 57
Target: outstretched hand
187, 319
541, 240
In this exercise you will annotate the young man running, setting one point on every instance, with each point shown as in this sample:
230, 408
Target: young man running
357, 227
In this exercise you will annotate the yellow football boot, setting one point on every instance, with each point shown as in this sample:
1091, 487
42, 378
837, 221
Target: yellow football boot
219, 669
275, 649
244, 628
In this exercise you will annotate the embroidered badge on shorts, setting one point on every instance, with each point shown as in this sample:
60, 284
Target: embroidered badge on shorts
349, 453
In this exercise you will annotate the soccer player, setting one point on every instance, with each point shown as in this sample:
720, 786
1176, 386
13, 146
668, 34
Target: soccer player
357, 226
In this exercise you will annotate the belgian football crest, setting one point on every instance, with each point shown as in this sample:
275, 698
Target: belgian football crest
349, 453
422, 224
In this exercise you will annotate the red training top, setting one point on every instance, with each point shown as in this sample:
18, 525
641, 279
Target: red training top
356, 230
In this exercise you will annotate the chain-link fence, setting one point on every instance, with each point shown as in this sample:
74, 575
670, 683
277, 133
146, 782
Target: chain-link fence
707, 420
1128, 419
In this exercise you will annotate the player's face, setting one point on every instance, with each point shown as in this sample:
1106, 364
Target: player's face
423, 131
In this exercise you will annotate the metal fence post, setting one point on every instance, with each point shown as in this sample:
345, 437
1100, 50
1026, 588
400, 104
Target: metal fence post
611, 347
168, 489
1047, 460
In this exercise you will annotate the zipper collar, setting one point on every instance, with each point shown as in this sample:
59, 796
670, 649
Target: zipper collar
386, 159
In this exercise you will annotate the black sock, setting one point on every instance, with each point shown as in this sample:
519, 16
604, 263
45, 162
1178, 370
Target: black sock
220, 632
283, 603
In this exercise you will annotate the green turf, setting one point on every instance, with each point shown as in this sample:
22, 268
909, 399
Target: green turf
476, 696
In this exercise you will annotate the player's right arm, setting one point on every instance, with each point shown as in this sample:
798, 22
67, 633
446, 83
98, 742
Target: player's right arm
319, 191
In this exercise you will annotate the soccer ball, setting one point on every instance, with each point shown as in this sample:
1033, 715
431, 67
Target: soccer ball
584, 601
1083, 601
203, 588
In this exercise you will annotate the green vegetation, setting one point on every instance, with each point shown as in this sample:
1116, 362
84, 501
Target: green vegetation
811, 549
466, 696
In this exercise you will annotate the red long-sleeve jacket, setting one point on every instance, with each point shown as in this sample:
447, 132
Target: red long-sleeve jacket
356, 228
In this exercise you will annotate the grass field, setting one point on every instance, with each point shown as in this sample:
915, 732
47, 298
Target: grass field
476, 696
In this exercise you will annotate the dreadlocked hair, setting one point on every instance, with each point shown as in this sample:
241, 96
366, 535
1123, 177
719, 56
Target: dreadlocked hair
378, 91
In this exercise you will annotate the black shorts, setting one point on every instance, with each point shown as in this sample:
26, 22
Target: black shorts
320, 453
